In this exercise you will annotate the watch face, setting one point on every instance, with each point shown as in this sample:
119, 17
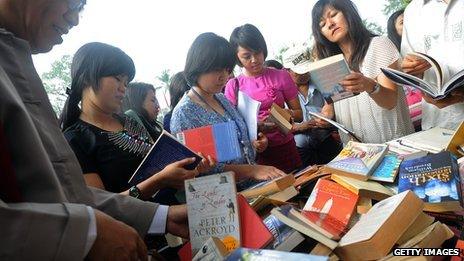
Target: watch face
134, 192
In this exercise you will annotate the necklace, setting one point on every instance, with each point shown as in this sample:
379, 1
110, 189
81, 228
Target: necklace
134, 138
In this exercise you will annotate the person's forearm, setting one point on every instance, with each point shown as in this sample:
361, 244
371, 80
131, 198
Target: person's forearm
147, 187
241, 171
385, 97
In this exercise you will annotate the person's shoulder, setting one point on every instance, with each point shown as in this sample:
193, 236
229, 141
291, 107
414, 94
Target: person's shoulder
382, 43
81, 134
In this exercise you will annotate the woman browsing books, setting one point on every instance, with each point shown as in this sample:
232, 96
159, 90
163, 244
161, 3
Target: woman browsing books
209, 62
379, 113
108, 145
268, 86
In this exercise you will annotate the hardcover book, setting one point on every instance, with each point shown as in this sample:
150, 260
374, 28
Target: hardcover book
357, 160
435, 179
387, 169
326, 75
166, 150
268, 255
330, 206
218, 141
213, 210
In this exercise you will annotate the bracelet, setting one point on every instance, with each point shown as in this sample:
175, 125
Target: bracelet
375, 90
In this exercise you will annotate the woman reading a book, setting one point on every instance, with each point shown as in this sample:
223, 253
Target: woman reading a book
110, 145
209, 62
268, 86
379, 113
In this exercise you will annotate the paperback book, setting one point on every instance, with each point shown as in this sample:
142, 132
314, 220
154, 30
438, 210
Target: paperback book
387, 169
270, 255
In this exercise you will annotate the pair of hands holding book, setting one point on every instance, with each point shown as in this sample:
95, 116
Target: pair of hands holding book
416, 66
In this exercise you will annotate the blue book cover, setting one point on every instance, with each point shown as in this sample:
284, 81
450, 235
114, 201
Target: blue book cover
387, 169
246, 254
166, 150
279, 230
433, 178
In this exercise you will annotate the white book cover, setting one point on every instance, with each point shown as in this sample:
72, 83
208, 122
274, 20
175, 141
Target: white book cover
213, 210
249, 109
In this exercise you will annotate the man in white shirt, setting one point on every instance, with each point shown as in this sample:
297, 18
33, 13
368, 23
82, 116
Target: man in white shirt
436, 28
46, 210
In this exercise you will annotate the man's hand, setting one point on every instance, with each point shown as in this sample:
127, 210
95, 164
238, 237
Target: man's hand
177, 221
414, 65
116, 241
454, 97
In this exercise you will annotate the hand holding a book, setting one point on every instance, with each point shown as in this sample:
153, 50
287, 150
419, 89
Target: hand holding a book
454, 97
206, 164
261, 143
116, 241
174, 174
414, 65
356, 82
266, 126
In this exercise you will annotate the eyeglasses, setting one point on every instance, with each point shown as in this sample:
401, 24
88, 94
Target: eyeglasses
74, 5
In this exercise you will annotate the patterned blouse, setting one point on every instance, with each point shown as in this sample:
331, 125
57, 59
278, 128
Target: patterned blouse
372, 123
189, 115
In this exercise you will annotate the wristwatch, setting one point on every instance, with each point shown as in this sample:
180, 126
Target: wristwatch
135, 192
376, 89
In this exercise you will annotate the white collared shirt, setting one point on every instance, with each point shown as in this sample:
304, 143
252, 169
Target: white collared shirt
437, 29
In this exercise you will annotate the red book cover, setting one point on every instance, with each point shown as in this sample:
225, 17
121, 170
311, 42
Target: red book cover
330, 206
254, 233
200, 140
460, 245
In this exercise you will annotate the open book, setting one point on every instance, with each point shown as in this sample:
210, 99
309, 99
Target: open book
438, 89
326, 75
337, 125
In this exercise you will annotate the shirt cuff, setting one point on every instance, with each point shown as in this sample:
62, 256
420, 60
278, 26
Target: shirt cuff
91, 232
158, 224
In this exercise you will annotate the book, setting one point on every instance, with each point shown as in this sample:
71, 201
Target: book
367, 189
269, 187
308, 174
249, 109
456, 143
330, 207
268, 255
255, 233
326, 75
294, 219
218, 141
357, 160
432, 140
166, 150
396, 147
364, 205
212, 250
213, 210
377, 231
387, 169
338, 125
439, 88
435, 179
420, 224
281, 118
285, 237
460, 246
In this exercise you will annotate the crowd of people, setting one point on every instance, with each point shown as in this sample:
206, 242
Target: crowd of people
68, 178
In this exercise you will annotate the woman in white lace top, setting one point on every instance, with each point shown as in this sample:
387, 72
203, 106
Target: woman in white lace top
379, 113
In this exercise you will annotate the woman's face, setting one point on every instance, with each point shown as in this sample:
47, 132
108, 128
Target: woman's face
399, 25
151, 105
110, 93
213, 82
333, 25
252, 62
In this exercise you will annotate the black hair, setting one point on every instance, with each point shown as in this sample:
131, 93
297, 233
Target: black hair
92, 62
391, 29
177, 88
249, 37
273, 64
134, 97
208, 53
357, 31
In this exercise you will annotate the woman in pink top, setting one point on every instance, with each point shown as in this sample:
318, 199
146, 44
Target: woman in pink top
268, 86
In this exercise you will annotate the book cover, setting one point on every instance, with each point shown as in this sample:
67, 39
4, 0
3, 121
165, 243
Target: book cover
254, 232
330, 206
269, 255
218, 141
357, 160
433, 140
368, 189
279, 230
387, 169
281, 118
213, 210
212, 250
166, 150
435, 179
326, 75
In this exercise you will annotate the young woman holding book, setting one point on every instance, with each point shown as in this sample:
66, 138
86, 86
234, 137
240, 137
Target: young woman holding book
379, 113
209, 62
110, 145
266, 85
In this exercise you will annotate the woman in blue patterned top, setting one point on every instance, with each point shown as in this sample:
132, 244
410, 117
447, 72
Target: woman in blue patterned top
209, 62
